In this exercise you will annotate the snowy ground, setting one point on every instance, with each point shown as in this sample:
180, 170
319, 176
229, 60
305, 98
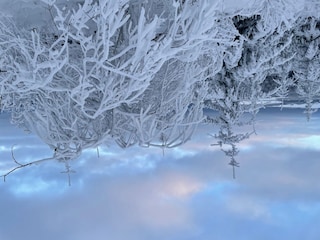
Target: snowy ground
26, 13
30, 13
35, 14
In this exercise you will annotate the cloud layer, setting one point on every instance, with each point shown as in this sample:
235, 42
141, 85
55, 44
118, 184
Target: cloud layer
188, 193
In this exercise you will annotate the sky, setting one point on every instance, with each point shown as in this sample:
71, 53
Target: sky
187, 193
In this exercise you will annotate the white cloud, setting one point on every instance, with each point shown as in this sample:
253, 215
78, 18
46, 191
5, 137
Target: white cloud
26, 188
180, 186
248, 207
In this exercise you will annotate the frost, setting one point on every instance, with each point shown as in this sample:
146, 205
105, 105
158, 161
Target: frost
141, 73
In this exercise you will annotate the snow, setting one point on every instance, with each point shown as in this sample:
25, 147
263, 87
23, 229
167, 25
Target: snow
26, 13
296, 105
231, 6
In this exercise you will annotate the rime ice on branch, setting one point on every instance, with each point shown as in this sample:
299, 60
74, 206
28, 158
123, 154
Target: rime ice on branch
141, 72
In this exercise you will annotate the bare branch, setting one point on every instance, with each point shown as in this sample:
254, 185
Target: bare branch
68, 171
20, 165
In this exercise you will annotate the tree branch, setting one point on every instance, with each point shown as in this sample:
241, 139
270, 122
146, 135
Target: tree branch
20, 165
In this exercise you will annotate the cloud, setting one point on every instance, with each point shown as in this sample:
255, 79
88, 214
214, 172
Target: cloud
188, 193
249, 207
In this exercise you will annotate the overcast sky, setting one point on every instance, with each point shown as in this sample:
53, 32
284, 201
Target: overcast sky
189, 193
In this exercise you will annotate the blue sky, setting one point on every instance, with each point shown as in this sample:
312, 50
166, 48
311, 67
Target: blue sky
189, 193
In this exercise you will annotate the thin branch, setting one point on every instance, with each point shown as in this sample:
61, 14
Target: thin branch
20, 165
234, 164
98, 153
68, 171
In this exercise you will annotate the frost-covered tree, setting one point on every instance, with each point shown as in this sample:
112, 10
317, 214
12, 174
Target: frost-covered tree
228, 100
26, 65
70, 87
305, 65
63, 87
236, 93
114, 57
168, 112
308, 86
140, 72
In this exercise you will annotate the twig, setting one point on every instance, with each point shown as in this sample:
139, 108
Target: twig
68, 171
20, 165
98, 152
234, 164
